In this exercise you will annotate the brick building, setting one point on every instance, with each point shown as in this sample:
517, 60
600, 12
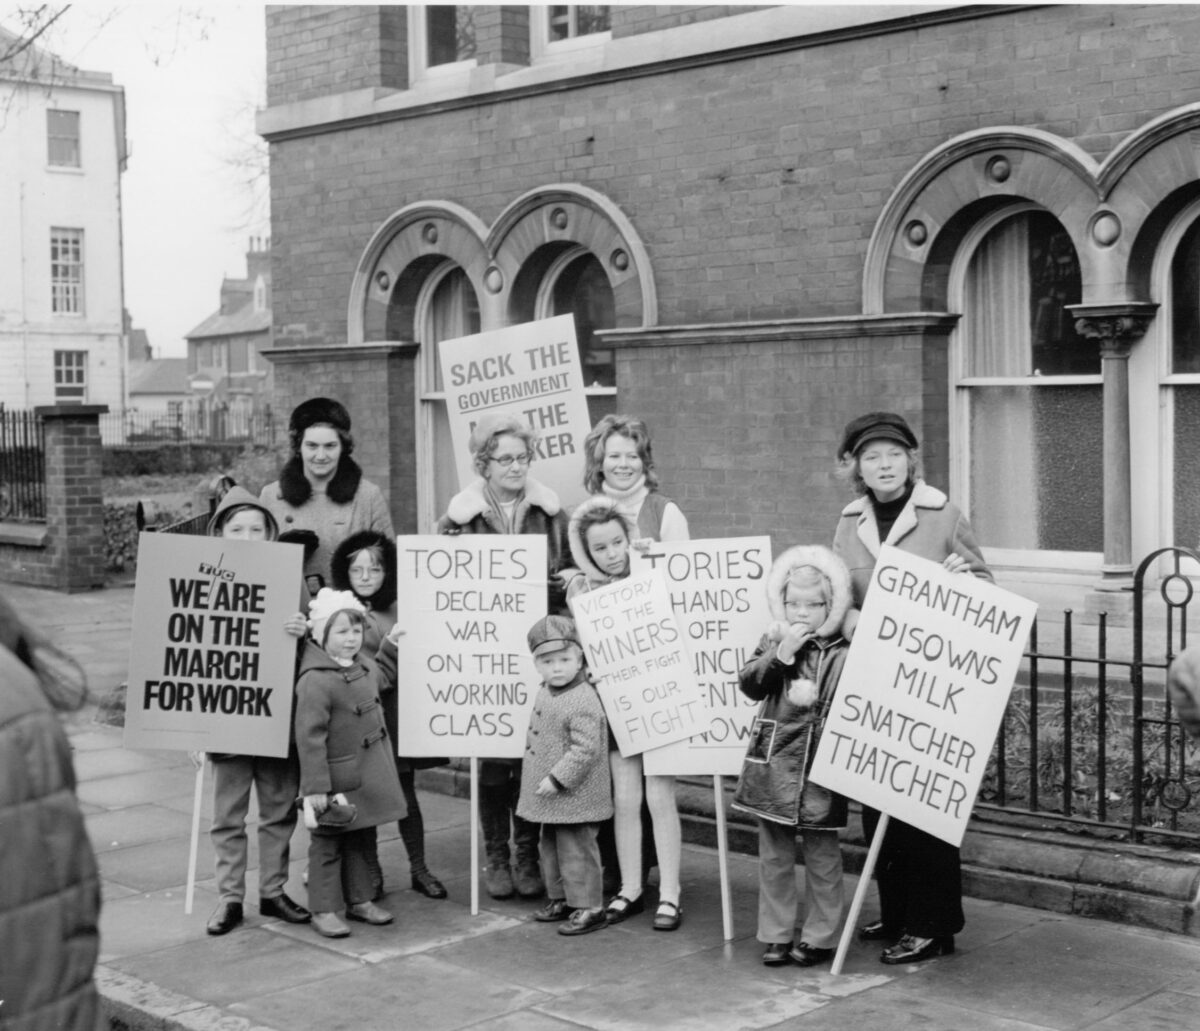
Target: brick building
767, 220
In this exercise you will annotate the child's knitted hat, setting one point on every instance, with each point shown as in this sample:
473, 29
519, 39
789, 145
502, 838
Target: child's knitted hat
327, 604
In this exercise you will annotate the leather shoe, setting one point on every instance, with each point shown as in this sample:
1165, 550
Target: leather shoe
225, 918
668, 917
330, 925
805, 955
878, 932
498, 881
776, 954
553, 911
584, 921
911, 949
283, 908
528, 881
620, 908
369, 913
426, 884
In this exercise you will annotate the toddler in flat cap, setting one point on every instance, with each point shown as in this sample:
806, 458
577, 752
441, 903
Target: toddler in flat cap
566, 786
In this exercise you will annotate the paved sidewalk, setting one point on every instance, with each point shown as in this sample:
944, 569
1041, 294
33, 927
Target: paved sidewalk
439, 967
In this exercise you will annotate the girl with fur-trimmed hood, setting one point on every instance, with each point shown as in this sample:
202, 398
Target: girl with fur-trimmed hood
794, 672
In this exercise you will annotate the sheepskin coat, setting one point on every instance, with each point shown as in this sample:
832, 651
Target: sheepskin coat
567, 741
929, 526
349, 504
538, 511
343, 743
774, 783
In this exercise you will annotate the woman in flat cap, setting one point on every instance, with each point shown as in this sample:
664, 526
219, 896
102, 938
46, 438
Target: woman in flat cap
919, 875
321, 489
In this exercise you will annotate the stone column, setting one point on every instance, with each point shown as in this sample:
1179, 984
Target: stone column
1116, 328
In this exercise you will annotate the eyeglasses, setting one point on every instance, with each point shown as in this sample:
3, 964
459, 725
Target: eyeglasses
363, 574
507, 460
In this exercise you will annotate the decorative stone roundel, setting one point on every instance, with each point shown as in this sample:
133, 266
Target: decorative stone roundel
999, 169
620, 260
916, 233
383, 281
558, 218
430, 233
493, 279
1106, 229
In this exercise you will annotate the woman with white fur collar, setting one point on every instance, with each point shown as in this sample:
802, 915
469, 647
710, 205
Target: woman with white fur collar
919, 875
506, 499
794, 672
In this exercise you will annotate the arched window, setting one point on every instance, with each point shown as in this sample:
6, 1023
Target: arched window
1028, 404
575, 283
1178, 393
446, 308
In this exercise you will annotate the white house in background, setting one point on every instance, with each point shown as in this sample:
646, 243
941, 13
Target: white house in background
62, 152
159, 386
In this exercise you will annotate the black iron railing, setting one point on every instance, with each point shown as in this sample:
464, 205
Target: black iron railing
22, 467
1089, 737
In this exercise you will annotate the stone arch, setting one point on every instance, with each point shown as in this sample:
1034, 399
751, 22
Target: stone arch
935, 204
417, 237
547, 219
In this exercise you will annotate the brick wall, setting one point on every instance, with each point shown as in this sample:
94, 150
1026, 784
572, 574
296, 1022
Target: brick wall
314, 51
755, 185
67, 551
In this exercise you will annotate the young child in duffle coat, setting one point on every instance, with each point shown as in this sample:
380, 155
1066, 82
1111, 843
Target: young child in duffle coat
344, 751
794, 672
566, 786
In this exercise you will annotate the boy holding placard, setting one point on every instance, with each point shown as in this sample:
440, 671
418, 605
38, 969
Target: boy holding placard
566, 785
794, 672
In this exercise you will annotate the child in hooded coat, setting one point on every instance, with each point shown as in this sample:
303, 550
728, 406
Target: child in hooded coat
794, 672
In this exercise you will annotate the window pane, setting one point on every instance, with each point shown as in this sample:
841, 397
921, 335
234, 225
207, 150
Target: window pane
1185, 303
567, 21
1187, 465
62, 131
1055, 281
583, 290
450, 32
1037, 467
66, 271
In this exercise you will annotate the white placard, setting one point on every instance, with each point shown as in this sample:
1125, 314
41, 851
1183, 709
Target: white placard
467, 682
717, 594
922, 693
211, 668
533, 371
635, 648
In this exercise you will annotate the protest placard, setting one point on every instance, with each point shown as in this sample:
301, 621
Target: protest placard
211, 668
635, 648
922, 693
466, 679
717, 594
532, 371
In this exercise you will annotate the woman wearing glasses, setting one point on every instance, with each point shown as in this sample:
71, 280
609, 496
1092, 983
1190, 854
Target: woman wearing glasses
620, 467
365, 564
506, 499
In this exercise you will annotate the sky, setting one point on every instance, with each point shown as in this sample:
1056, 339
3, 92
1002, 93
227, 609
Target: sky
193, 75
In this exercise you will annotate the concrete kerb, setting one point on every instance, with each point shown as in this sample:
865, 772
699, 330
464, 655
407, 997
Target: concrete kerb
131, 1004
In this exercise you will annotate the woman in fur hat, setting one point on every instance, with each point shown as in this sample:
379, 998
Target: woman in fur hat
365, 565
794, 673
321, 488
506, 499
919, 875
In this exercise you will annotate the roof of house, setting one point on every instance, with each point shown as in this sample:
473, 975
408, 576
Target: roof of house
244, 320
159, 376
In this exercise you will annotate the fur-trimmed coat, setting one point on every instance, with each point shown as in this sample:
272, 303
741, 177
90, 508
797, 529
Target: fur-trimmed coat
350, 504
567, 741
584, 575
538, 511
929, 526
774, 783
340, 735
